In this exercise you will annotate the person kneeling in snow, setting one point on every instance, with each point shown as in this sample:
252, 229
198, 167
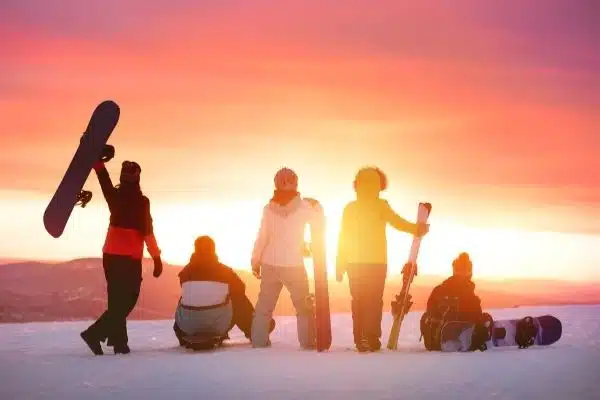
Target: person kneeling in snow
453, 300
213, 298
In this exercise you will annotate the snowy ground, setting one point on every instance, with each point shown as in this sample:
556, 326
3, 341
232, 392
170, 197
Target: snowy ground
48, 360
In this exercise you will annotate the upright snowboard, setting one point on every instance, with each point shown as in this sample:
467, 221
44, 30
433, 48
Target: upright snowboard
92, 147
321, 297
404, 298
524, 332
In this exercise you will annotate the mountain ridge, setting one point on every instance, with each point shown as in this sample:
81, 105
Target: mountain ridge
75, 289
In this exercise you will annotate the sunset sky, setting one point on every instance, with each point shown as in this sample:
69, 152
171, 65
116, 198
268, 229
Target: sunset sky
489, 112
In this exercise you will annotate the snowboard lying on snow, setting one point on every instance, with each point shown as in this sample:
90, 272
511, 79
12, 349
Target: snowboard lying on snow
542, 330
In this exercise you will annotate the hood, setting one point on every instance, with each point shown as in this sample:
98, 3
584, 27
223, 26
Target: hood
199, 263
368, 184
284, 205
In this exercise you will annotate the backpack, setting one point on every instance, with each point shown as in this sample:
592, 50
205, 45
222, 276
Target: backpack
432, 322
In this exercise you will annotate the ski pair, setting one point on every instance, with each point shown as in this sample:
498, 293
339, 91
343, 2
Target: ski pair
403, 300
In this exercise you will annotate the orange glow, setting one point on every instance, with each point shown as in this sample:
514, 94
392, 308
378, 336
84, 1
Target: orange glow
478, 116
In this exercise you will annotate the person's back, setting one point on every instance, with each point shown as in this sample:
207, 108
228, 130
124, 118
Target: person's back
458, 293
278, 257
281, 238
363, 238
362, 254
453, 299
207, 286
213, 297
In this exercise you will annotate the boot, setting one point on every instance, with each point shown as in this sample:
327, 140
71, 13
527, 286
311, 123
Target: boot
121, 349
92, 342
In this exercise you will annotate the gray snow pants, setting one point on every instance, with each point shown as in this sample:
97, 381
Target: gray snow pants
212, 321
273, 279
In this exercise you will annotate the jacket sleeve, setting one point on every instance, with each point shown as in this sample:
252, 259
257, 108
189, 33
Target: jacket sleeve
262, 237
149, 237
396, 220
184, 275
471, 308
108, 190
236, 284
433, 300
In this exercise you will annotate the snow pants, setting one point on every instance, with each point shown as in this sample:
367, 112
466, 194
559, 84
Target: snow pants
367, 283
273, 279
123, 283
215, 321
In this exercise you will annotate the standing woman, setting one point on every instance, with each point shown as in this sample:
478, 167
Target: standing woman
129, 229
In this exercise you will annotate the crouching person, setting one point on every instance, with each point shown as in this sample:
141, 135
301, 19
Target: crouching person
213, 298
454, 300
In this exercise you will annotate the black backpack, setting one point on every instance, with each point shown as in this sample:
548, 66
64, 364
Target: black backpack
432, 322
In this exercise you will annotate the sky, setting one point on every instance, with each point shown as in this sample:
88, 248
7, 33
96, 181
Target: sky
487, 110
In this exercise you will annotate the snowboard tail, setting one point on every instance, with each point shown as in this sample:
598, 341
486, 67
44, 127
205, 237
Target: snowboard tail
404, 300
92, 147
319, 302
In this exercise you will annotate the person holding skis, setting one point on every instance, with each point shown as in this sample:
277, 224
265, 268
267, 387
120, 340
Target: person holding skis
130, 227
278, 257
454, 299
362, 253
213, 298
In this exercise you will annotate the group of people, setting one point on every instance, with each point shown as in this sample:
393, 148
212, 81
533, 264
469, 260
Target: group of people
213, 298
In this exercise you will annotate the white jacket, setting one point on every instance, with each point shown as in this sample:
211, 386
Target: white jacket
280, 239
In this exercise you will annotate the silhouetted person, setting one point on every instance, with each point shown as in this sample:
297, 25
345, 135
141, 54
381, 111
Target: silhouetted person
130, 228
362, 253
452, 300
213, 298
278, 258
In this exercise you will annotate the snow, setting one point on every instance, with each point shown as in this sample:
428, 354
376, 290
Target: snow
48, 360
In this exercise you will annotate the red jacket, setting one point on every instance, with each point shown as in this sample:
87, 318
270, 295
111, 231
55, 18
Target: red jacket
130, 220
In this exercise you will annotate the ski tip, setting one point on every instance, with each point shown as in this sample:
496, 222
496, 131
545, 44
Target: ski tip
427, 206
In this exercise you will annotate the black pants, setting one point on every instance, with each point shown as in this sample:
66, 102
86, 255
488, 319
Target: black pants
243, 311
123, 282
367, 283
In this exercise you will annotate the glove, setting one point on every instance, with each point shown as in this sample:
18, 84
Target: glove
98, 165
421, 229
158, 267
256, 268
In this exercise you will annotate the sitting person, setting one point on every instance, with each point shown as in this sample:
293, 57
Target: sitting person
213, 298
452, 300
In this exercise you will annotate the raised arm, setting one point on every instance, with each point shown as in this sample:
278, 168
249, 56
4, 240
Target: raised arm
397, 221
108, 190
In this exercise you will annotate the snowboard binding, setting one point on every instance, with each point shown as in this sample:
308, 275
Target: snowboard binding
83, 198
108, 153
397, 304
526, 332
482, 332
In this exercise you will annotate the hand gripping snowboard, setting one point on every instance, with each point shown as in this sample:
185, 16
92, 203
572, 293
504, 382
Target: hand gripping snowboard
321, 296
403, 303
92, 147
525, 332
